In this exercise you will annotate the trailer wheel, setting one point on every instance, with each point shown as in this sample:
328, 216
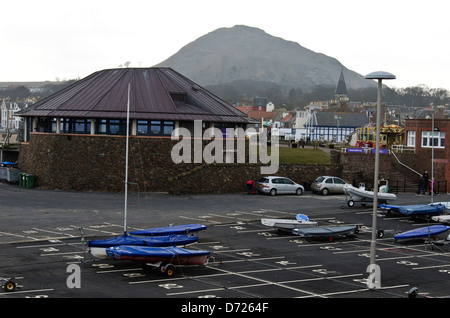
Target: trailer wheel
380, 233
167, 269
170, 270
10, 286
350, 203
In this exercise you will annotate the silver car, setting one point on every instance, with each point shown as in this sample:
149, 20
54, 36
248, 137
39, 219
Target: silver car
278, 185
328, 184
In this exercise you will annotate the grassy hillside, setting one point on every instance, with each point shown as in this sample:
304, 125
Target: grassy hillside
302, 155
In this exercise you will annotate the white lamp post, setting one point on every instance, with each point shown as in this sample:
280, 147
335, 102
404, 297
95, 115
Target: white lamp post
378, 76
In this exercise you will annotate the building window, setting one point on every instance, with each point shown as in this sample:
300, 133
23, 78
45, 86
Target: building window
433, 139
81, 126
111, 127
411, 141
155, 127
72, 125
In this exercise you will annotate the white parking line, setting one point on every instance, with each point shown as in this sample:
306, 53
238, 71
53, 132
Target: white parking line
25, 291
17, 235
198, 219
53, 232
263, 283
427, 267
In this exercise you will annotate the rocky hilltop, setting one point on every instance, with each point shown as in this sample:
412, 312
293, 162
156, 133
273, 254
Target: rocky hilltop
243, 53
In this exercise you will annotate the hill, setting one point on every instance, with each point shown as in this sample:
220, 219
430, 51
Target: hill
242, 53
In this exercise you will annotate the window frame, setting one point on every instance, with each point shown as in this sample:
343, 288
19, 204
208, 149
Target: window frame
435, 137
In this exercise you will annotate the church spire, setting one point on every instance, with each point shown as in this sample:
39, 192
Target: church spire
341, 88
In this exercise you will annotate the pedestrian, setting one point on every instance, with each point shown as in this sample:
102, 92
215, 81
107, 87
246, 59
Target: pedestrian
421, 185
425, 175
251, 187
432, 189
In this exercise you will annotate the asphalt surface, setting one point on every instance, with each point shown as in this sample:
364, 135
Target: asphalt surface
40, 239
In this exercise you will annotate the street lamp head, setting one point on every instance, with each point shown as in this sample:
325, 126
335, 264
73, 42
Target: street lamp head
380, 75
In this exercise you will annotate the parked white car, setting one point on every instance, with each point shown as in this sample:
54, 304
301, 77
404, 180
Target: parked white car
278, 185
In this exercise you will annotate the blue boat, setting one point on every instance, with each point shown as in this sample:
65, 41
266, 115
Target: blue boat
168, 230
98, 247
166, 258
416, 209
423, 232
166, 240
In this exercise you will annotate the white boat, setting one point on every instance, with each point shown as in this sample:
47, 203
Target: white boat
446, 204
441, 218
301, 221
363, 196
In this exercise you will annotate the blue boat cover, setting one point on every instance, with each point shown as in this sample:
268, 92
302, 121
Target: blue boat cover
176, 229
149, 251
302, 217
421, 209
166, 240
416, 209
422, 232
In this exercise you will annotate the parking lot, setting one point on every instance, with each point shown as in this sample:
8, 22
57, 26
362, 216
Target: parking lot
40, 238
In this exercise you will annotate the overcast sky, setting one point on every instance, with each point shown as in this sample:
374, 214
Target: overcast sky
54, 39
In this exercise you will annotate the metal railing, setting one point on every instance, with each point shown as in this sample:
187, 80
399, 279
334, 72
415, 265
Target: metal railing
395, 156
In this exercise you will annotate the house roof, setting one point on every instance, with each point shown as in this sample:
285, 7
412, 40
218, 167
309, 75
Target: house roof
260, 114
155, 93
345, 119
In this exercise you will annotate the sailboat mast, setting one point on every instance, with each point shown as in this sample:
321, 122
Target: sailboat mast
126, 165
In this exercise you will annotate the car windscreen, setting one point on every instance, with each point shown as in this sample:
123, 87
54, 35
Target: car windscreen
263, 180
320, 179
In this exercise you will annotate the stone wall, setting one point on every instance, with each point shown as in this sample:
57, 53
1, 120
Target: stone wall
97, 163
359, 167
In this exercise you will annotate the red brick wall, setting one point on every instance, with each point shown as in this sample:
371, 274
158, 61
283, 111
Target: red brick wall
423, 156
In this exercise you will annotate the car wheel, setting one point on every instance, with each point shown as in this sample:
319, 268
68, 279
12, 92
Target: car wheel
299, 191
273, 192
325, 191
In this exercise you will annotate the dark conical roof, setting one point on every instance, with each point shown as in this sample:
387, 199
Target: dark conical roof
341, 88
156, 93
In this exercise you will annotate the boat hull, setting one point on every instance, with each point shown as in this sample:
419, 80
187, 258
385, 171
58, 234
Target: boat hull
155, 255
97, 248
326, 231
287, 224
168, 230
358, 194
159, 241
422, 232
416, 209
441, 218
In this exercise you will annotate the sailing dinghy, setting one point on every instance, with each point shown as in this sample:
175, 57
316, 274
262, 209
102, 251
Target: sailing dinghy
287, 224
416, 209
169, 230
98, 247
326, 231
421, 233
166, 258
